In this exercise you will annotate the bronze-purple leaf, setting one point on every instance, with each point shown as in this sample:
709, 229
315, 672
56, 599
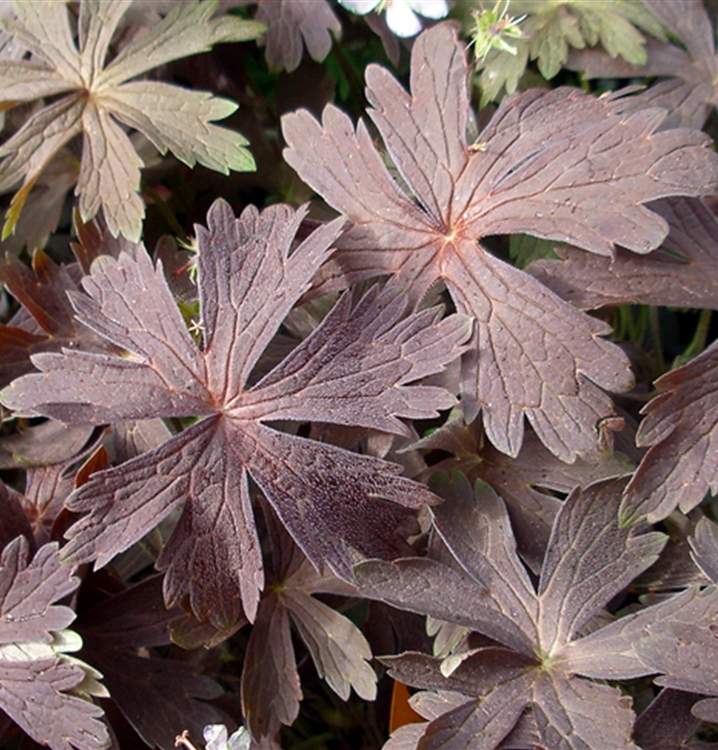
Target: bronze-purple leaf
291, 26
668, 724
704, 546
37, 682
588, 560
682, 431
357, 368
684, 273
270, 679
559, 165
46, 322
521, 482
155, 694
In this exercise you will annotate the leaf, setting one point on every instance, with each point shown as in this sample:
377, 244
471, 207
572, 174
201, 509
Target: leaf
270, 682
560, 711
704, 546
337, 505
291, 25
339, 650
427, 587
645, 642
27, 591
476, 529
13, 521
156, 695
690, 93
270, 677
681, 274
680, 428
559, 165
41, 211
521, 482
689, 22
39, 685
684, 648
43, 294
98, 95
667, 722
499, 677
37, 696
547, 30
589, 559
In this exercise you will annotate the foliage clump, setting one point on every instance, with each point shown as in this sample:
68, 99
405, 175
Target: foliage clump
249, 445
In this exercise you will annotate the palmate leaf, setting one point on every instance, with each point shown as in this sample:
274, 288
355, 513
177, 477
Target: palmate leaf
97, 96
292, 26
540, 662
682, 274
681, 429
675, 638
522, 481
271, 689
155, 694
559, 165
355, 369
39, 685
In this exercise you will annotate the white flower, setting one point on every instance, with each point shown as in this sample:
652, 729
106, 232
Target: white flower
401, 15
215, 737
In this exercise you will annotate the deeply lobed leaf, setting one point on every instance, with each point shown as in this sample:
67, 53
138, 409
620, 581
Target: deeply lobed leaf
558, 165
37, 682
99, 96
356, 368
680, 427
680, 275
589, 558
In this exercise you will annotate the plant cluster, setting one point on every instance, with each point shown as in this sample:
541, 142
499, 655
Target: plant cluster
267, 462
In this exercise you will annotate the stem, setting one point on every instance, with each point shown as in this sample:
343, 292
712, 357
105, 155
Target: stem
167, 214
698, 343
183, 739
656, 345
314, 741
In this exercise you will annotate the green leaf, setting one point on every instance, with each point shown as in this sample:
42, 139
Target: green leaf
172, 118
179, 121
550, 27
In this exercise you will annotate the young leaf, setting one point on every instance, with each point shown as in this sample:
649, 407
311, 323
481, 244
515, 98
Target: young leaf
589, 559
680, 427
97, 95
39, 684
559, 165
547, 30
355, 369
690, 92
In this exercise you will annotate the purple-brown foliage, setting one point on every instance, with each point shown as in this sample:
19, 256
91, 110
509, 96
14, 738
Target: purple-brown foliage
235, 472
